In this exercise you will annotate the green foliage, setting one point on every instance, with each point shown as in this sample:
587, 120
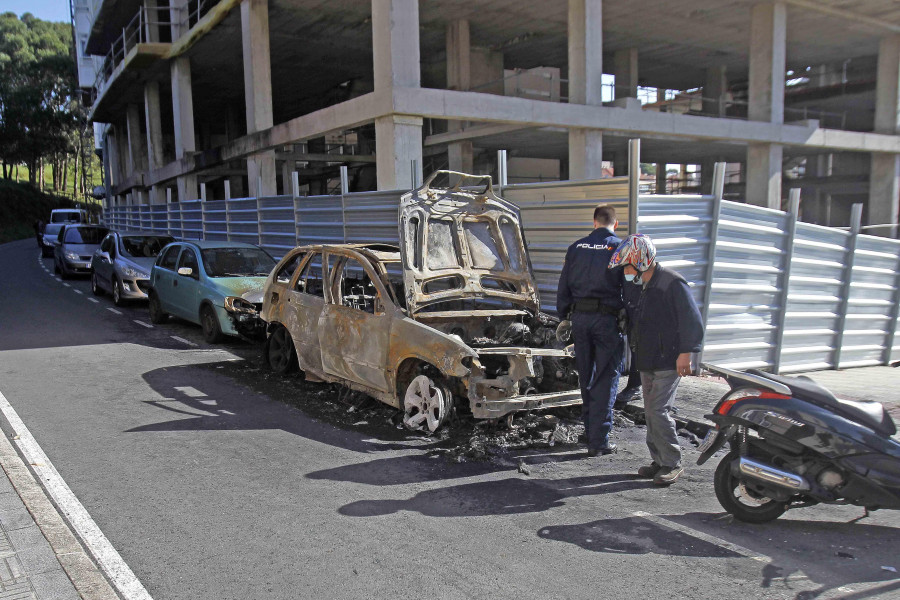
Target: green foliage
40, 116
21, 205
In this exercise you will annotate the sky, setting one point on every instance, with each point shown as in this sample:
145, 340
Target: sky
46, 10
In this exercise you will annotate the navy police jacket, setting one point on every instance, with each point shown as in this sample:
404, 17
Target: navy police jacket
586, 276
663, 320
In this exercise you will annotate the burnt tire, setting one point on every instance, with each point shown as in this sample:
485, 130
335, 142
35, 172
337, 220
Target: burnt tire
281, 356
212, 331
427, 404
733, 498
157, 315
95, 285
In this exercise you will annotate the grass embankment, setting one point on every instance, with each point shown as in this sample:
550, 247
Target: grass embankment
21, 205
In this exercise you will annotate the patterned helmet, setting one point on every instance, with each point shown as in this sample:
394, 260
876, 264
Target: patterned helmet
636, 250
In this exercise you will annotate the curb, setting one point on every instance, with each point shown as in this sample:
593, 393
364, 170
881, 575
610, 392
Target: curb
89, 582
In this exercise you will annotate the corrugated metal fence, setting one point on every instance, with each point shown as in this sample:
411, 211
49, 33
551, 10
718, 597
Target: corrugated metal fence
776, 294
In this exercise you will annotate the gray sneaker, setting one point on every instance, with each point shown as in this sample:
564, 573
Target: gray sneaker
667, 475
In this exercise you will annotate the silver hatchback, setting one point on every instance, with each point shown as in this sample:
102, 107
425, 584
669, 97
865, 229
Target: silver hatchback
121, 266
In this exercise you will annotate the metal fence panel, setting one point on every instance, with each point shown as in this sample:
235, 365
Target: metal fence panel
319, 220
372, 217
215, 220
192, 220
745, 298
277, 231
813, 301
870, 305
159, 219
243, 220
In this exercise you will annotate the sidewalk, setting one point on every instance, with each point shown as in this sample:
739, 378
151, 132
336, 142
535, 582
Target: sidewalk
28, 565
698, 395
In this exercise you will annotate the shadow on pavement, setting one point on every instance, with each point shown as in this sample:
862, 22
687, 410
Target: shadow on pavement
504, 497
634, 535
402, 470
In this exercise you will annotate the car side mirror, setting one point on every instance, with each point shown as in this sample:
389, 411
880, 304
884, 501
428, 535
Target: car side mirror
104, 256
185, 271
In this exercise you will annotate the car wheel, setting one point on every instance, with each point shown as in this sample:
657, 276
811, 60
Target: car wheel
280, 352
157, 316
426, 404
95, 285
210, 324
117, 292
56, 266
738, 500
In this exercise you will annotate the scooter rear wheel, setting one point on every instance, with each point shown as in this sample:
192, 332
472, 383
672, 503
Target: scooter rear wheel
735, 498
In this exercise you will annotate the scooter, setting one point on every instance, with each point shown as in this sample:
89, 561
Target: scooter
794, 444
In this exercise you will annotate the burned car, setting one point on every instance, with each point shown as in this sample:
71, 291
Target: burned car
452, 314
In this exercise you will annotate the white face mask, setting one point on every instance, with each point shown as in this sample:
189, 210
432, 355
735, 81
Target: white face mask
629, 277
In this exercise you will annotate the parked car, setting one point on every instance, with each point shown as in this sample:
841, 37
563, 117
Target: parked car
68, 215
453, 313
75, 248
49, 238
217, 285
121, 266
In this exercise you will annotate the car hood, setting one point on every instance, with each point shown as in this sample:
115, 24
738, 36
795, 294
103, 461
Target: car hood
81, 249
141, 263
248, 288
463, 243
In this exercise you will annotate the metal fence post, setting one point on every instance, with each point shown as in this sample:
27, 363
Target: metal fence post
345, 188
855, 223
715, 210
786, 277
502, 176
895, 314
634, 180
295, 189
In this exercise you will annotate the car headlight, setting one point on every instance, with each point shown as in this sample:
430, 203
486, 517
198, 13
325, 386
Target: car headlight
236, 304
72, 256
132, 272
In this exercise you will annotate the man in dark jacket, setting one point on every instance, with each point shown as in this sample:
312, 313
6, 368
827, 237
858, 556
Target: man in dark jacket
593, 295
665, 329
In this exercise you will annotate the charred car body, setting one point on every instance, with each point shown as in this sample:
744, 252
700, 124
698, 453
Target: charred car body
452, 313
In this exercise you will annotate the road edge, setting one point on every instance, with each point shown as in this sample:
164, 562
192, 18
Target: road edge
89, 581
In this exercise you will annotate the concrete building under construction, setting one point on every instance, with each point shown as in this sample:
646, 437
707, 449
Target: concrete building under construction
228, 98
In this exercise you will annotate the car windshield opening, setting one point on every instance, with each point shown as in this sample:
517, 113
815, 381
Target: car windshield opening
237, 262
85, 235
141, 246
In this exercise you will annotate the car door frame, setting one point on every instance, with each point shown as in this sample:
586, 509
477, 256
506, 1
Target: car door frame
104, 264
301, 314
162, 283
186, 288
355, 344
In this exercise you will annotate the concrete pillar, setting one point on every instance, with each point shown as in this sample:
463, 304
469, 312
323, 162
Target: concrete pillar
620, 164
395, 54
625, 68
764, 175
660, 178
151, 29
183, 116
459, 77
714, 91
768, 35
884, 177
113, 147
155, 157
136, 148
395, 43
707, 166
585, 33
261, 168
398, 142
178, 18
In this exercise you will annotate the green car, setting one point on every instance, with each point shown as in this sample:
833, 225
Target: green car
217, 285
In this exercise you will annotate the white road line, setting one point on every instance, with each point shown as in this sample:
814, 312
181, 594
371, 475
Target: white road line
142, 324
94, 300
116, 569
67, 285
183, 341
705, 537
111, 309
78, 291
58, 279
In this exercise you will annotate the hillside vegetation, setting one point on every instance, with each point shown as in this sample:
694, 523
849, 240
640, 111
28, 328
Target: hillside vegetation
21, 205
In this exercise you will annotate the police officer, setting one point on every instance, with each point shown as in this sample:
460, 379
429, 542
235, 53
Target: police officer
592, 293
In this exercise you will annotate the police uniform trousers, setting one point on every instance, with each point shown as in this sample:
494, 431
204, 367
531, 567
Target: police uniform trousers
599, 352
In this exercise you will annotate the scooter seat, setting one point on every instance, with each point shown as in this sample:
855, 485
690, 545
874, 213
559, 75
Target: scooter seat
870, 414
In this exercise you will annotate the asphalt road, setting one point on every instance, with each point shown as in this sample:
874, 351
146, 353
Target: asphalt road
212, 480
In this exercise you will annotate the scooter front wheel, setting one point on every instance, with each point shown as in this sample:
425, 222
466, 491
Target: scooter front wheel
743, 504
